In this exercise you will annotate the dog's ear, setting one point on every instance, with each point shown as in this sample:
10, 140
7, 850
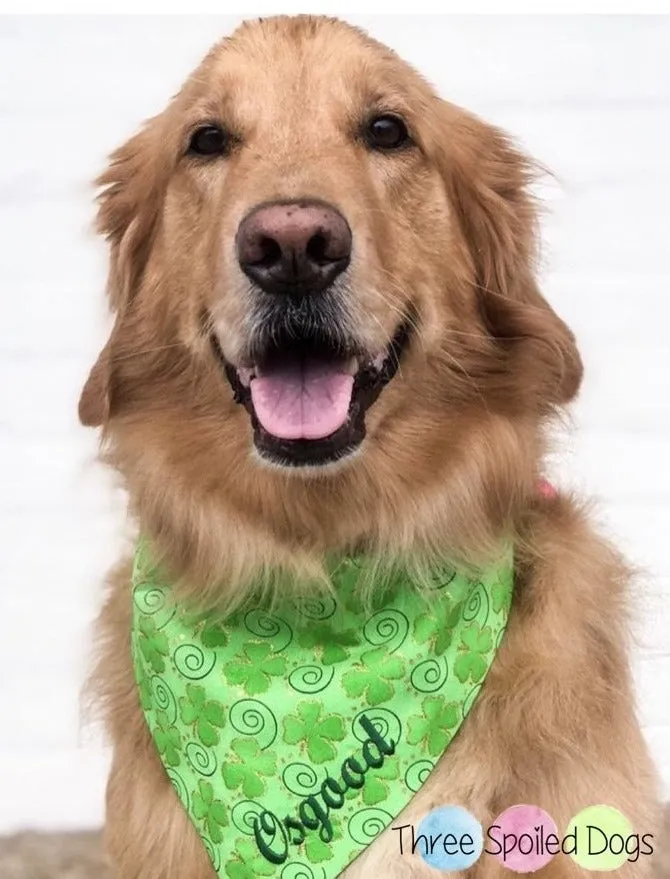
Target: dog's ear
95, 398
488, 182
129, 206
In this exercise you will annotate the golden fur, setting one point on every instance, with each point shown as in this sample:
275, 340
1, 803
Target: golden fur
454, 446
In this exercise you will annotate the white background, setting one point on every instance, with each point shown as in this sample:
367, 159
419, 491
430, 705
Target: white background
590, 97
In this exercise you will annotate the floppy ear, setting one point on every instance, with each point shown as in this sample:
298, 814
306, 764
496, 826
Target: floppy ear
128, 209
488, 180
95, 398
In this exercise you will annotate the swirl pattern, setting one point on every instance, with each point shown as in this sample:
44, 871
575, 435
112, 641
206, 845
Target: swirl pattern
440, 579
180, 787
299, 870
301, 779
311, 678
388, 628
321, 608
154, 602
244, 816
477, 605
386, 722
163, 697
150, 600
266, 625
430, 675
202, 760
417, 774
263, 728
253, 718
194, 662
366, 824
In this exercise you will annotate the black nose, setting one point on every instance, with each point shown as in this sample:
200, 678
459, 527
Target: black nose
295, 247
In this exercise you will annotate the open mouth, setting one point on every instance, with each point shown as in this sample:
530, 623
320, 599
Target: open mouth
307, 398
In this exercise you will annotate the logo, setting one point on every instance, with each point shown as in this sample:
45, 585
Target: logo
525, 838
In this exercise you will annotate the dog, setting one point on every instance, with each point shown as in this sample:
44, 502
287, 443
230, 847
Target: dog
328, 339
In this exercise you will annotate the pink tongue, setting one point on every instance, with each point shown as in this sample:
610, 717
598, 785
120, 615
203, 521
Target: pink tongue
308, 400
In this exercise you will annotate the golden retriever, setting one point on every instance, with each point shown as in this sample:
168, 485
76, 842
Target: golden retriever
307, 198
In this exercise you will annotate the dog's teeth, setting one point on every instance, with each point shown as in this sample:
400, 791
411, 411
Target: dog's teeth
351, 366
378, 362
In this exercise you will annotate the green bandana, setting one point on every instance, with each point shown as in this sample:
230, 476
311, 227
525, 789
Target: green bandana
294, 737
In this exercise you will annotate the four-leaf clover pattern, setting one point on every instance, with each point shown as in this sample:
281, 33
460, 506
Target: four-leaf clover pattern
476, 643
316, 732
373, 680
210, 811
206, 716
255, 669
434, 728
245, 771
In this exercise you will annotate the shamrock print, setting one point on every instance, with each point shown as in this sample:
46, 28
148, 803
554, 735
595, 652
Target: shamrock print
373, 679
476, 642
248, 862
230, 717
316, 732
210, 811
168, 739
428, 628
153, 644
213, 635
346, 576
434, 726
375, 788
316, 850
205, 716
209, 629
333, 643
255, 672
252, 762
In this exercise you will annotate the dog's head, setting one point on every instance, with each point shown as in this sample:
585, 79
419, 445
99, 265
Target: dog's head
320, 266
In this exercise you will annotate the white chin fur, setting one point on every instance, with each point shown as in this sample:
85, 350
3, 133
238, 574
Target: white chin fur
309, 471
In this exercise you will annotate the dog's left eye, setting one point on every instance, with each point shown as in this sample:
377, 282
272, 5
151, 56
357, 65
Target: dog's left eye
386, 132
209, 140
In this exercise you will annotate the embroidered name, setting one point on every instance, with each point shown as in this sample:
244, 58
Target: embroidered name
274, 836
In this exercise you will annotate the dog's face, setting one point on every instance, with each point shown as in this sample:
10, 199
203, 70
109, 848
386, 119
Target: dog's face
314, 210
318, 265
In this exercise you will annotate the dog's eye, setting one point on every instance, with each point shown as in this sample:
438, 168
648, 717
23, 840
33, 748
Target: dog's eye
386, 132
209, 140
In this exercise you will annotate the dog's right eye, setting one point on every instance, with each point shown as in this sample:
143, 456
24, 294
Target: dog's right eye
209, 140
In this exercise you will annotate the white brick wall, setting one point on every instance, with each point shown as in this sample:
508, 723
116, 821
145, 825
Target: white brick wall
590, 97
